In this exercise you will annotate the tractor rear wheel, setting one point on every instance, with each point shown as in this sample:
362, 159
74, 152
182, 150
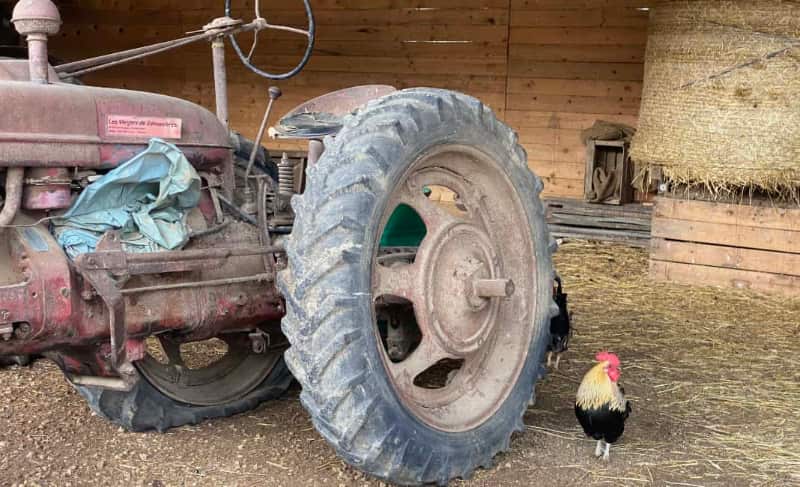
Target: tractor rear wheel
471, 302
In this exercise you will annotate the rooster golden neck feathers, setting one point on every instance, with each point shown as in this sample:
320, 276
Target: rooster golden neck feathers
599, 386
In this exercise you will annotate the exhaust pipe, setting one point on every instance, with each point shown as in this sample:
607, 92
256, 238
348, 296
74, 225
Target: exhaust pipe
13, 195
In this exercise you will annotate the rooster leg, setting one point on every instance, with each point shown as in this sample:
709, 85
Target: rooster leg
558, 359
605, 453
549, 357
598, 450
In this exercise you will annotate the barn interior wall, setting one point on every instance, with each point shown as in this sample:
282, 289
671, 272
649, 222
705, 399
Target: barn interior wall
549, 68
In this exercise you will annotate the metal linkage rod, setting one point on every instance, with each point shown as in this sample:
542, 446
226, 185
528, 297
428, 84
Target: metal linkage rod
85, 66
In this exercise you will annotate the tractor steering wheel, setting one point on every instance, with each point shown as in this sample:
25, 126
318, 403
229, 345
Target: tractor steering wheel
310, 33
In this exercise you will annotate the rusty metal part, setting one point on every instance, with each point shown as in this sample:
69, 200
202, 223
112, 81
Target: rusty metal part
62, 125
254, 202
232, 207
13, 199
6, 331
484, 289
220, 24
36, 19
274, 94
286, 177
339, 103
37, 58
18, 70
107, 288
259, 341
220, 79
264, 237
36, 16
264, 277
111, 383
210, 230
249, 197
315, 149
221, 381
47, 189
216, 203
110, 265
86, 66
493, 288
37, 288
467, 282
168, 261
197, 292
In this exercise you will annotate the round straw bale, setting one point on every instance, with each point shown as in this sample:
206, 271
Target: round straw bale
721, 99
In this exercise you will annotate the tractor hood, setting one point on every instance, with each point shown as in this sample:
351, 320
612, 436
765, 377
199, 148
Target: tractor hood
67, 125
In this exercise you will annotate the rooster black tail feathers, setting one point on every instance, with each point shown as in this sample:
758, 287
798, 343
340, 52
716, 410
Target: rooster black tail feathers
561, 300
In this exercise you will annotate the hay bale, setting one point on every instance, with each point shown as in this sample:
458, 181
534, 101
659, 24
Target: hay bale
721, 100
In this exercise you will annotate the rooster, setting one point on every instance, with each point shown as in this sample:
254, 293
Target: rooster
560, 329
600, 405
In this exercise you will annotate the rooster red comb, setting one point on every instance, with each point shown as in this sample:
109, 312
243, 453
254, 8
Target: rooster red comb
609, 357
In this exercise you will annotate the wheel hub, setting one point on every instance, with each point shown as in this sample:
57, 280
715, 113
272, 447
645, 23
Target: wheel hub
471, 286
228, 378
462, 320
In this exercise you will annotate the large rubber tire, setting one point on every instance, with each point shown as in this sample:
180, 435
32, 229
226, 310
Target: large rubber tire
145, 408
329, 323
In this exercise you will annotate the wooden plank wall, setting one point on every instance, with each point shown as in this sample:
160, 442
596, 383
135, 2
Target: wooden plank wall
572, 62
698, 242
547, 67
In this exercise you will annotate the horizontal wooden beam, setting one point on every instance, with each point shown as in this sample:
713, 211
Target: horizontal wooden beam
765, 217
727, 234
699, 275
726, 257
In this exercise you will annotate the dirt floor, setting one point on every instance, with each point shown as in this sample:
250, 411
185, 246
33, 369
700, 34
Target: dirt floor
714, 376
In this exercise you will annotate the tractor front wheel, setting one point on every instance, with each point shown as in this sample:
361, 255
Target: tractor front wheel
417, 360
188, 383
185, 383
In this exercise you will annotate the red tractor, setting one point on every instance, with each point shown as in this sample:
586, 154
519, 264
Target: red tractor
175, 273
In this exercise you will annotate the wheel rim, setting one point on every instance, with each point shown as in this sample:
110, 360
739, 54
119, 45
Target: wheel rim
230, 377
467, 263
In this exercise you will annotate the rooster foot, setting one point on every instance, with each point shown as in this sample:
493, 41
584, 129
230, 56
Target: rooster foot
558, 359
549, 358
598, 450
605, 453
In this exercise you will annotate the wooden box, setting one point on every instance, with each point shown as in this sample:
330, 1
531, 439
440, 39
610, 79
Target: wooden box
720, 244
611, 157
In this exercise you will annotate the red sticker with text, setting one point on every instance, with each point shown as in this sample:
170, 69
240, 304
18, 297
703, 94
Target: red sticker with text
130, 126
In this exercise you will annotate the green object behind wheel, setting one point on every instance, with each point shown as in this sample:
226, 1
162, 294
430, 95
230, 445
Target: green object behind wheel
405, 228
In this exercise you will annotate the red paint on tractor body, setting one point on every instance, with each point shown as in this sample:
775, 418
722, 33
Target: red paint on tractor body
47, 304
50, 306
65, 125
